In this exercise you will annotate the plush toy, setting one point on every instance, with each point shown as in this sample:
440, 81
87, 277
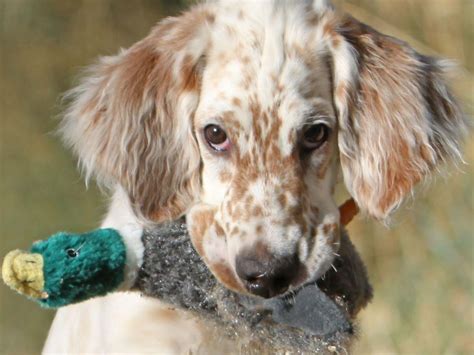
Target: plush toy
68, 268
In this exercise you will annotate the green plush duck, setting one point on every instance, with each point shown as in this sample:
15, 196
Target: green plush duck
67, 268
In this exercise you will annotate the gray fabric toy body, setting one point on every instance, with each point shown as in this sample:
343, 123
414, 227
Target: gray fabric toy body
316, 318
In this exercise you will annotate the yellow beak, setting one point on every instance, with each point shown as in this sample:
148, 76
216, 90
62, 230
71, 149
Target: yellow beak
23, 272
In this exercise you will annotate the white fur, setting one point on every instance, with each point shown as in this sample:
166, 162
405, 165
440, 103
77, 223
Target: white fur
123, 323
121, 218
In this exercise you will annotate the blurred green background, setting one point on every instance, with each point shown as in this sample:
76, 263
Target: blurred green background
421, 268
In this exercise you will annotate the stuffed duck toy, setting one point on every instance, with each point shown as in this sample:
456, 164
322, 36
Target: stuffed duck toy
68, 268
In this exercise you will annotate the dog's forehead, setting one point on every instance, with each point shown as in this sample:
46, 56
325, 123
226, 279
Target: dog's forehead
255, 69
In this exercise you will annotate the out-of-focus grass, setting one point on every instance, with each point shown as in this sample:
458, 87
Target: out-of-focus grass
421, 268
44, 45
422, 273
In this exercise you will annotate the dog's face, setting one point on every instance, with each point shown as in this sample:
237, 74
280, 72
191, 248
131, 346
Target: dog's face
267, 131
241, 116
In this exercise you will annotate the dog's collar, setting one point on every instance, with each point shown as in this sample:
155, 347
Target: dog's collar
347, 211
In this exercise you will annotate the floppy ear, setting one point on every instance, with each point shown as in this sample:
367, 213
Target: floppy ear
130, 119
397, 117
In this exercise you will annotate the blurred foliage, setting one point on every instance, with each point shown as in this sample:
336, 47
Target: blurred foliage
421, 268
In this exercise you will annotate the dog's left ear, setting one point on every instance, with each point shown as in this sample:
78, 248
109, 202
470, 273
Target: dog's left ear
397, 117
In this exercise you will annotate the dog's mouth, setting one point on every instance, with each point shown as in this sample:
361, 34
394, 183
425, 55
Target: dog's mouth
268, 277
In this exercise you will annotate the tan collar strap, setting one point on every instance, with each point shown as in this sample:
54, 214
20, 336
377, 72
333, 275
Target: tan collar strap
347, 211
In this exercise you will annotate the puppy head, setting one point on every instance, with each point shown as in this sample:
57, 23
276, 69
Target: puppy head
241, 116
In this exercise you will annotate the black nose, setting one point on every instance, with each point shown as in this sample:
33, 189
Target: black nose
265, 275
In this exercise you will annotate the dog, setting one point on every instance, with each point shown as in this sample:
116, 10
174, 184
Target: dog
241, 116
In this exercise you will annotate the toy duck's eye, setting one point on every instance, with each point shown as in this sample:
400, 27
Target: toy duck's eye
72, 253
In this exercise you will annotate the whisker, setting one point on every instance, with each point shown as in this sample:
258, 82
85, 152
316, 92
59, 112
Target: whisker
80, 247
334, 268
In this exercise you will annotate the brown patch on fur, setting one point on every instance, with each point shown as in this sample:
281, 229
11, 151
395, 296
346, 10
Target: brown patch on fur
401, 185
227, 277
219, 230
329, 228
291, 136
283, 200
228, 208
210, 17
201, 222
236, 102
198, 241
257, 211
190, 76
328, 29
326, 152
341, 91
235, 231
313, 18
231, 123
245, 60
336, 41
239, 214
248, 201
167, 314
225, 176
399, 178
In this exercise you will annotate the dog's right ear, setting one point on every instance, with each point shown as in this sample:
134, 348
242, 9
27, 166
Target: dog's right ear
130, 119
397, 118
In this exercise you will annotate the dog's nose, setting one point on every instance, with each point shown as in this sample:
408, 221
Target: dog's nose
266, 276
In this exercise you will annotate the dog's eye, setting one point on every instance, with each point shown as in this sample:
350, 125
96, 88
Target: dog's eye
216, 138
314, 136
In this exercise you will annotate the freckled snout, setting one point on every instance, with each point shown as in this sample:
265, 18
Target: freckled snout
266, 275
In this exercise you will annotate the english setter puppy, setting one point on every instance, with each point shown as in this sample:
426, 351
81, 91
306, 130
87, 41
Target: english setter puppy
239, 115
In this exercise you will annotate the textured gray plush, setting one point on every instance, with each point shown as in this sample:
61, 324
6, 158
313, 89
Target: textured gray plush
316, 318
